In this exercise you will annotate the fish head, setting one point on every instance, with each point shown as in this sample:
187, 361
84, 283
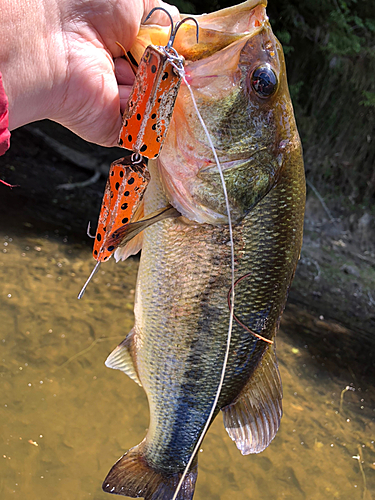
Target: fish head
234, 104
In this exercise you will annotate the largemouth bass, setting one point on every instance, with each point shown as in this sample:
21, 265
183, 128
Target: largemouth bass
177, 346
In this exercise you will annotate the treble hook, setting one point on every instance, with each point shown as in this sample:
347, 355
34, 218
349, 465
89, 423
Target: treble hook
174, 32
174, 28
166, 12
89, 231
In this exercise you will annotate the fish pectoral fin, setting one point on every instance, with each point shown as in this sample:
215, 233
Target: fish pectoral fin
122, 237
132, 476
132, 247
122, 358
253, 419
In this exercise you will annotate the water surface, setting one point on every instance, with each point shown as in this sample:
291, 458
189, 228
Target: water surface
65, 418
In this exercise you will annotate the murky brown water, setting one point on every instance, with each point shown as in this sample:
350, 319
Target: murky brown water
65, 418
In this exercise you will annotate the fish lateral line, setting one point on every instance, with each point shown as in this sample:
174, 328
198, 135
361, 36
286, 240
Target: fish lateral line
254, 334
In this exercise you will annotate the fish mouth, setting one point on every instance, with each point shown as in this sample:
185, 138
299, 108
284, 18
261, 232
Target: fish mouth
220, 29
217, 30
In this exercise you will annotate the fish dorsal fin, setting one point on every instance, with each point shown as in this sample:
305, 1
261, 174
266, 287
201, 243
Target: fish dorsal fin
121, 358
253, 419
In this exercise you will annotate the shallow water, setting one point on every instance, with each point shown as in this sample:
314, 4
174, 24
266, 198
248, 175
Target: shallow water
65, 418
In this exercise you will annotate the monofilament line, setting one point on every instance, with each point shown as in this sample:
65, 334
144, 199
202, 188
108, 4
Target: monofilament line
197, 446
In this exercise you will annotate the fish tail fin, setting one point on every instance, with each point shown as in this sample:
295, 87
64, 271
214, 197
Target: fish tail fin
133, 477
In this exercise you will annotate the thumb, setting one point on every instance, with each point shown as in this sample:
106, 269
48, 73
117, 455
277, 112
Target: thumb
94, 114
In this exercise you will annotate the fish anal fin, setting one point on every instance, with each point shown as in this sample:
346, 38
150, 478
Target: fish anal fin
133, 477
122, 358
253, 419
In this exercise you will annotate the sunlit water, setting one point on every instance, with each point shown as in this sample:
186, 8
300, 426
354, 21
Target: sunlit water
65, 418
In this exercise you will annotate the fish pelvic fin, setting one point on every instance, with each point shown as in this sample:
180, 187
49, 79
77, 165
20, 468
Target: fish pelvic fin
133, 477
253, 419
122, 358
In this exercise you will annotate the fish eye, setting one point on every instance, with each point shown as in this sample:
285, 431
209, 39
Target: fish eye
263, 80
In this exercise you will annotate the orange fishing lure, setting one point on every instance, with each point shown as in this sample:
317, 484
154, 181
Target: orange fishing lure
145, 125
152, 99
127, 181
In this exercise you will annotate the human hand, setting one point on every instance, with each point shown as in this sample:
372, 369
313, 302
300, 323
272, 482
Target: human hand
58, 61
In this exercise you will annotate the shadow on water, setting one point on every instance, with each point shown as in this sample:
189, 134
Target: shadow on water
65, 418
335, 348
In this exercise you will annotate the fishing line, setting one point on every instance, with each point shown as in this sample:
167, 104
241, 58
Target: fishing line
181, 71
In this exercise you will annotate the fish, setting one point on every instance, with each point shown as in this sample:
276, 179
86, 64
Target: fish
176, 348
